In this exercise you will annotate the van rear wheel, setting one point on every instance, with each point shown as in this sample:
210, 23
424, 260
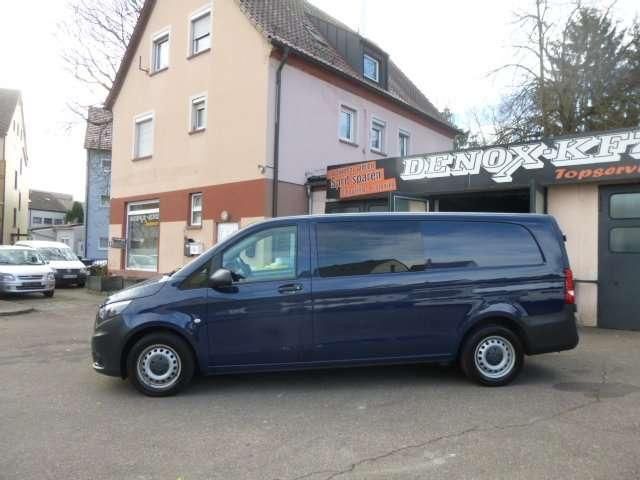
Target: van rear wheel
160, 364
492, 355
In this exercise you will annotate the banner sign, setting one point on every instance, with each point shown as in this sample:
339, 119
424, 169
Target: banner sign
612, 155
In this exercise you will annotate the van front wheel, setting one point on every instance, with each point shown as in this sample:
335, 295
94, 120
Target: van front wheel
160, 364
492, 356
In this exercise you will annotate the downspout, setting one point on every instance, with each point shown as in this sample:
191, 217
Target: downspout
276, 134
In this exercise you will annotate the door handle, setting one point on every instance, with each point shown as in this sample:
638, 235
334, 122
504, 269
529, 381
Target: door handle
290, 288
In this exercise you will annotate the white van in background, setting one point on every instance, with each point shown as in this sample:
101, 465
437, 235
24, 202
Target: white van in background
68, 268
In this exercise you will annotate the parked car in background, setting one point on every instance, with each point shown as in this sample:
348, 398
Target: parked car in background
24, 270
66, 265
481, 290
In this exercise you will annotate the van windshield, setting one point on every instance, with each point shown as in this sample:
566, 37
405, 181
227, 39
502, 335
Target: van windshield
20, 257
57, 253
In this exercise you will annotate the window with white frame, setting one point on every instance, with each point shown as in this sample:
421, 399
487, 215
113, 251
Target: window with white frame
347, 124
198, 113
376, 137
48, 221
371, 68
37, 220
57, 221
143, 141
106, 165
196, 210
160, 52
200, 32
104, 243
105, 200
403, 143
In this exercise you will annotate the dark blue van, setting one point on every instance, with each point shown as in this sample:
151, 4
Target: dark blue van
482, 290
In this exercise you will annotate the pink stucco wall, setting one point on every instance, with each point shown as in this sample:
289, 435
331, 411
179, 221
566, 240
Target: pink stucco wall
309, 127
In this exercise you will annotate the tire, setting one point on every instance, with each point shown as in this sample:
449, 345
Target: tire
492, 355
160, 364
48, 294
81, 284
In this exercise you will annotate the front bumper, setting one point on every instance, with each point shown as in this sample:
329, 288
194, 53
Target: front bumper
107, 342
551, 333
27, 286
64, 278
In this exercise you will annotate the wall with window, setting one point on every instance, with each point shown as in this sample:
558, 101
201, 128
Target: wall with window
576, 210
97, 204
45, 218
324, 124
16, 180
191, 51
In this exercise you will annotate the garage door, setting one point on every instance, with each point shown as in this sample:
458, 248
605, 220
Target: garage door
619, 258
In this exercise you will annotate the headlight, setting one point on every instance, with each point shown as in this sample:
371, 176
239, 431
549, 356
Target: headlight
7, 277
111, 310
51, 276
83, 271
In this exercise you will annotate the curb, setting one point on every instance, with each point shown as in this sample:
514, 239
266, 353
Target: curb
17, 311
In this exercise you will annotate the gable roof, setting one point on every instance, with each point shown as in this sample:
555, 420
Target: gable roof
8, 101
288, 23
99, 129
50, 201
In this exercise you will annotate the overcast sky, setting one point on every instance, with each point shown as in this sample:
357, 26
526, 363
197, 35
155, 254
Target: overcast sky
446, 47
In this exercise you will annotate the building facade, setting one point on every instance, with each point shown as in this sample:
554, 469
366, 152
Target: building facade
71, 235
590, 183
14, 166
97, 200
47, 209
222, 112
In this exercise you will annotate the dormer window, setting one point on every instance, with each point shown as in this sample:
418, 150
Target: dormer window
371, 68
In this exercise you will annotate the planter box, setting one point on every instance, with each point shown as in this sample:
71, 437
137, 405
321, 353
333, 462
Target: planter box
105, 284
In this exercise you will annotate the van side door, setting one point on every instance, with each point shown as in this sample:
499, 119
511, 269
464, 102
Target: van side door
367, 284
259, 320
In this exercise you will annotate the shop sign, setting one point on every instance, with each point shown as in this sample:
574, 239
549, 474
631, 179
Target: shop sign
609, 155
117, 243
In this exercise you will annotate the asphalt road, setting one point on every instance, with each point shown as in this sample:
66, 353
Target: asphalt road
570, 415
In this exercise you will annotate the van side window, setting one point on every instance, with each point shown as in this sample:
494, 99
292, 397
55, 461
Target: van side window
367, 248
266, 255
451, 244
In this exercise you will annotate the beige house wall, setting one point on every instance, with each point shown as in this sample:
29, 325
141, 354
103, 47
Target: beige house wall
576, 209
15, 152
234, 74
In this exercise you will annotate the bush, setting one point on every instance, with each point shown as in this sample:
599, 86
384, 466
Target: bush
98, 269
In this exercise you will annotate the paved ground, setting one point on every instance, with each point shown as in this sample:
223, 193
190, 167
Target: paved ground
570, 415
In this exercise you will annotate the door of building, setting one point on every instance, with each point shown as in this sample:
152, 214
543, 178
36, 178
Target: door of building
619, 257
399, 202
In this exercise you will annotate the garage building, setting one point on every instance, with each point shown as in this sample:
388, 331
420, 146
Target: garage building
590, 183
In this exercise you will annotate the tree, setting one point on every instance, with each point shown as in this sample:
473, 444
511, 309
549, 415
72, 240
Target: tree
587, 77
76, 214
94, 38
466, 139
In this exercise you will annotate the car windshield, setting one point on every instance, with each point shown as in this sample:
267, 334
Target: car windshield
20, 256
57, 253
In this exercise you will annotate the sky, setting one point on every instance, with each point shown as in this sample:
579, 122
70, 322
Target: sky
447, 47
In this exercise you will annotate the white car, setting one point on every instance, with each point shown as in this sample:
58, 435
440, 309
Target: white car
66, 266
24, 270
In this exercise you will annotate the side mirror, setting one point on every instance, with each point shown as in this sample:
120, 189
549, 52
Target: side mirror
221, 278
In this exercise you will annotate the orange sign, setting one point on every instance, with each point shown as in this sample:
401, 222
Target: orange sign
360, 179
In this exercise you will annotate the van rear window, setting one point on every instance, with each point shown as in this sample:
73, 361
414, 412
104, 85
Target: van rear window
366, 248
450, 244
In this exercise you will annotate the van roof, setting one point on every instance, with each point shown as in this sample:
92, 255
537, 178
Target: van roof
515, 217
41, 243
